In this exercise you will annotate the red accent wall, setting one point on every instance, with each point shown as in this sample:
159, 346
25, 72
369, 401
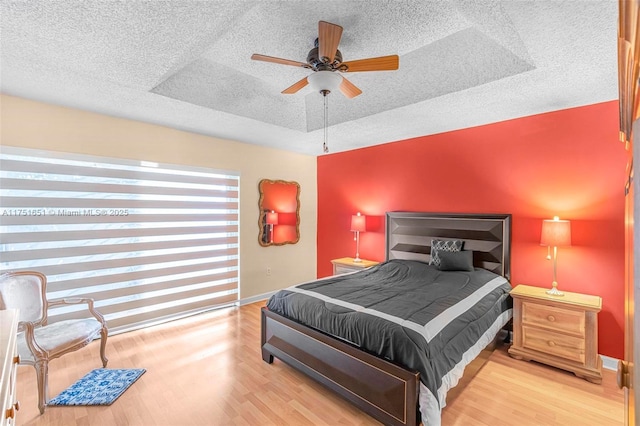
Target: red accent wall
567, 163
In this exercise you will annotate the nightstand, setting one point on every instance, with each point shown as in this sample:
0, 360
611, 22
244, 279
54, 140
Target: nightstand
561, 331
346, 264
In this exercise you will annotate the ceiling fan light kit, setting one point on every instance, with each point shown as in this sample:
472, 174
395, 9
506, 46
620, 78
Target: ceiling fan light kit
325, 82
325, 60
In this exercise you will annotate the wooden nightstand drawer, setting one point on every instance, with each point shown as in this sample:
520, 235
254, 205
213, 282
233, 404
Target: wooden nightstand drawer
339, 269
553, 317
348, 264
557, 344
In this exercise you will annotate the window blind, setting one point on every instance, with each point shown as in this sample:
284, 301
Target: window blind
148, 242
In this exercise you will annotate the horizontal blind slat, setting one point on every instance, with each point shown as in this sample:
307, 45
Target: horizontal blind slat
144, 301
144, 261
157, 300
141, 319
90, 285
102, 247
61, 235
135, 319
78, 205
146, 173
127, 289
148, 262
110, 188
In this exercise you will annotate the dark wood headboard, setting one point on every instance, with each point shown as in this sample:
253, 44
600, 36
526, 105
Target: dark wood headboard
409, 236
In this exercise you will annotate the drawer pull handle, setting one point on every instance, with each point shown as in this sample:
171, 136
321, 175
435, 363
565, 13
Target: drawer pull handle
17, 405
10, 413
551, 343
16, 359
551, 318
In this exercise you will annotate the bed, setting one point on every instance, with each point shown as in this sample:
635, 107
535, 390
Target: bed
349, 333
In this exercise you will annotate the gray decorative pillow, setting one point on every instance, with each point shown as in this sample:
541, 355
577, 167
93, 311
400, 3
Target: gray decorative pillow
443, 245
456, 260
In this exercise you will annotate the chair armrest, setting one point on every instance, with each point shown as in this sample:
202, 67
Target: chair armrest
28, 327
76, 301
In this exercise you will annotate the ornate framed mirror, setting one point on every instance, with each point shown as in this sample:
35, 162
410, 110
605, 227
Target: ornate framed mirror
279, 212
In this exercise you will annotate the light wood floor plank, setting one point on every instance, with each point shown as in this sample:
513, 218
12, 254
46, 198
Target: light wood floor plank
208, 370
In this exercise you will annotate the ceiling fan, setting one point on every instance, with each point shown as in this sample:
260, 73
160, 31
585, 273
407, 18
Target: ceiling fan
325, 60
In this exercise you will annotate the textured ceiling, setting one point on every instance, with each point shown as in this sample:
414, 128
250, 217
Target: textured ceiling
186, 64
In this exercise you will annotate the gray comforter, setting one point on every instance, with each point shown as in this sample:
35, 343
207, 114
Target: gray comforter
406, 311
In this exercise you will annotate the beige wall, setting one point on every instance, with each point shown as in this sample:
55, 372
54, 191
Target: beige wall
29, 124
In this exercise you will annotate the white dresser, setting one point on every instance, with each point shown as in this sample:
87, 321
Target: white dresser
9, 362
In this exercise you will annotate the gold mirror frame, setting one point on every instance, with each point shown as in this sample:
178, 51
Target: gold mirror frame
281, 197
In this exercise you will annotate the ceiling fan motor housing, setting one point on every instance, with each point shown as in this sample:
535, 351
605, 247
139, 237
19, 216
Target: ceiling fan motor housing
313, 59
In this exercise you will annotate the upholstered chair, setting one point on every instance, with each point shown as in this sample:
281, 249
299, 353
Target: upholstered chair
38, 341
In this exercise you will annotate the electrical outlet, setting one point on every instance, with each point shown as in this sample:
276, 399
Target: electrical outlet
268, 271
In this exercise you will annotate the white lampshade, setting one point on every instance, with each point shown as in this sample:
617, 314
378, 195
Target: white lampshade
272, 218
325, 80
555, 233
358, 223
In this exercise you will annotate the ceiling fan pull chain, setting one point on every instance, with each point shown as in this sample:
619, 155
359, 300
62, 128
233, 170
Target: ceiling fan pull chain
325, 146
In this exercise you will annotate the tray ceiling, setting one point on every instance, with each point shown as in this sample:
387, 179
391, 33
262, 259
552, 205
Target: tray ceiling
186, 64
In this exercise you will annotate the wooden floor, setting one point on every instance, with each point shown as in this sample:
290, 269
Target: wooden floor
207, 370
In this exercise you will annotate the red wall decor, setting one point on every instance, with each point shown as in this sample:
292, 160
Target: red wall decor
566, 163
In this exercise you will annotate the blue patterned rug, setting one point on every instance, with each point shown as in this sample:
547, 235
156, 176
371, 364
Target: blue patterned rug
100, 387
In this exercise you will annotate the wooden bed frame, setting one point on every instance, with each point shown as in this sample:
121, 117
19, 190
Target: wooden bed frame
387, 391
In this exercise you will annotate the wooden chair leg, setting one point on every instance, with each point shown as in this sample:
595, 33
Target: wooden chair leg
42, 376
103, 346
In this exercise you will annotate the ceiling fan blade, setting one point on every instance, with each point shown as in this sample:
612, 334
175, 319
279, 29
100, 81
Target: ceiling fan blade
382, 63
296, 86
349, 89
328, 40
257, 57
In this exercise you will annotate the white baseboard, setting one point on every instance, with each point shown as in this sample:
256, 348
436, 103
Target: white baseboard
257, 298
609, 363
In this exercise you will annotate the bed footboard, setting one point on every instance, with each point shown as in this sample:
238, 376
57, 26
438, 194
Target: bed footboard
380, 388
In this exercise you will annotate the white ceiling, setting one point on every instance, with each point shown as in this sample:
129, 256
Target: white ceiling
186, 64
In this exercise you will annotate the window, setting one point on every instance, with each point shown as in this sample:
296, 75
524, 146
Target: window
148, 242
